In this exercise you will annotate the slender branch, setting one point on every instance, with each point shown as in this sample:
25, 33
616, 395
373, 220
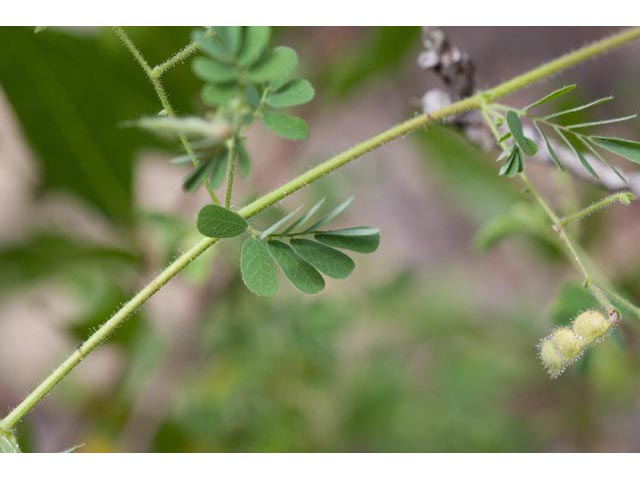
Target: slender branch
231, 168
154, 77
105, 330
619, 298
175, 59
622, 197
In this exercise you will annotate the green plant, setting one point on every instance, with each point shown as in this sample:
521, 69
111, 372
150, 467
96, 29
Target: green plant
245, 81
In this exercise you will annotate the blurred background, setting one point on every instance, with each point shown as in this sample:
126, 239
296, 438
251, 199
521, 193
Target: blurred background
429, 346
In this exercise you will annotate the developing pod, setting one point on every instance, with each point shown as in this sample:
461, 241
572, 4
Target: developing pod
565, 345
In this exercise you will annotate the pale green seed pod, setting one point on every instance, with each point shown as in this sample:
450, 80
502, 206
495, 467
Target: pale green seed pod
591, 326
553, 361
567, 343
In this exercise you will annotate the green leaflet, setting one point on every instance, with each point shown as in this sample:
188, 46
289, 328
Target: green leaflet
278, 224
219, 94
218, 167
513, 165
256, 266
218, 222
330, 216
275, 67
244, 163
287, 126
304, 217
327, 260
229, 37
292, 93
357, 239
212, 46
625, 148
197, 175
301, 275
577, 153
256, 40
551, 96
211, 71
515, 127
550, 149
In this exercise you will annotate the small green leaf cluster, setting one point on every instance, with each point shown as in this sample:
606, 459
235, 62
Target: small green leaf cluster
571, 135
301, 250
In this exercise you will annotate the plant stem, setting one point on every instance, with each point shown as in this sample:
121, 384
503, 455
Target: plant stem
175, 59
420, 121
622, 197
619, 298
154, 75
231, 167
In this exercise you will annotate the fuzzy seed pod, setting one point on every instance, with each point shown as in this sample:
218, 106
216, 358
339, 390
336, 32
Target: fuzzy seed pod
567, 343
591, 326
552, 360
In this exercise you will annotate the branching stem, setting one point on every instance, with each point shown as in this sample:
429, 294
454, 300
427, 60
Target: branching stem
154, 75
416, 123
622, 197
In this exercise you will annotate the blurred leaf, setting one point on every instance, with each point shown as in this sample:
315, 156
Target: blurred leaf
292, 93
513, 165
357, 239
197, 175
70, 93
256, 40
46, 254
8, 443
565, 137
327, 260
212, 46
219, 94
275, 67
579, 108
379, 51
287, 126
467, 172
571, 299
212, 71
301, 275
216, 221
258, 271
244, 163
230, 37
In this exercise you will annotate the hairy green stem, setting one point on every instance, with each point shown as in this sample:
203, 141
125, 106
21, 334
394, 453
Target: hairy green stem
107, 329
154, 75
622, 197
231, 168
619, 298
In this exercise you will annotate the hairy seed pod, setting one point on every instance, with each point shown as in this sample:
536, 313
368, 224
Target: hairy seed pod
551, 358
591, 326
567, 343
